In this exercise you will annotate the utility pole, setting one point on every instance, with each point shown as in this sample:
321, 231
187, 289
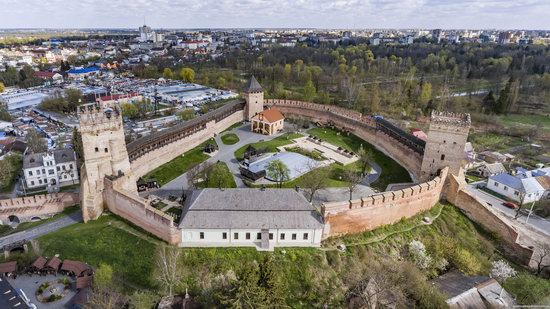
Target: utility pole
530, 212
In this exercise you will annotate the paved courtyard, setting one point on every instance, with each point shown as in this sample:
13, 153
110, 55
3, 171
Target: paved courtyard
29, 285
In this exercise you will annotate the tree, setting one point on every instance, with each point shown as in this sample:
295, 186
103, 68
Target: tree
501, 272
168, 273
73, 98
4, 114
365, 159
277, 171
272, 284
425, 95
421, 258
35, 142
246, 293
542, 258
143, 300
314, 180
309, 91
105, 298
187, 74
199, 173
186, 114
167, 73
489, 103
10, 166
2, 87
103, 275
129, 110
352, 179
78, 148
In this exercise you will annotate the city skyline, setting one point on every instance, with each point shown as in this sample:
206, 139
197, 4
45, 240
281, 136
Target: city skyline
342, 14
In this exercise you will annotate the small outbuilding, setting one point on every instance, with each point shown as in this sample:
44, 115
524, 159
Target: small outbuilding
8, 268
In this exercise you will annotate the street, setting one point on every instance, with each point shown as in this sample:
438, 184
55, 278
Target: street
535, 221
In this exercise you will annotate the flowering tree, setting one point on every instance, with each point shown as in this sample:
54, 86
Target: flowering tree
501, 271
420, 257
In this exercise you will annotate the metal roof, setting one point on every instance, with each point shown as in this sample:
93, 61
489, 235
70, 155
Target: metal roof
249, 208
252, 85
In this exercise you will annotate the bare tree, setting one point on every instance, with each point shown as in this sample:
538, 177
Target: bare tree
377, 290
351, 90
105, 298
168, 273
522, 197
197, 174
542, 258
314, 180
352, 179
365, 159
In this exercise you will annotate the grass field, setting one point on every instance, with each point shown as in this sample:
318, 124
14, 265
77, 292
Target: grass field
179, 165
310, 273
523, 120
392, 172
492, 141
270, 146
230, 139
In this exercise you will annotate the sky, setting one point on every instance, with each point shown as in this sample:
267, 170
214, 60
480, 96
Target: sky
341, 14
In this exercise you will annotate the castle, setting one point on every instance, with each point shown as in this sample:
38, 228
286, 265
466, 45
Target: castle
111, 167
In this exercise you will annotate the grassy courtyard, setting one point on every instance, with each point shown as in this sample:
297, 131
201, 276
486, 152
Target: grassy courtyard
269, 146
392, 172
230, 139
313, 277
179, 165
219, 176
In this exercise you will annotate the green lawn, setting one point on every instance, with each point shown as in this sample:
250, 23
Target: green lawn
219, 177
522, 120
392, 172
179, 165
236, 125
493, 141
270, 146
6, 230
106, 240
230, 139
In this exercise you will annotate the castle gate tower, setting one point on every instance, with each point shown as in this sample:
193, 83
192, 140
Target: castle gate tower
105, 154
254, 97
445, 145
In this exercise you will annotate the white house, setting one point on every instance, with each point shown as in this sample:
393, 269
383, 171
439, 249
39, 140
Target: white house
490, 169
247, 217
50, 169
519, 188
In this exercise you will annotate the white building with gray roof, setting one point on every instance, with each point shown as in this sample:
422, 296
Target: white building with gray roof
50, 169
247, 217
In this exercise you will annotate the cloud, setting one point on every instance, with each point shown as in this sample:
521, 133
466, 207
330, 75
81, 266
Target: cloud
273, 13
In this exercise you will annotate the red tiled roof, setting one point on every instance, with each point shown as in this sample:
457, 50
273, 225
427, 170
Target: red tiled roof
39, 263
8, 267
118, 96
270, 115
42, 74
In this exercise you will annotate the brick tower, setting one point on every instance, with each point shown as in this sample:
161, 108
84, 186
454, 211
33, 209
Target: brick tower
445, 145
105, 154
254, 97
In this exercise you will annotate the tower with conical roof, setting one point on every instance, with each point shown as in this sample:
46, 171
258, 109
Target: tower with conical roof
254, 97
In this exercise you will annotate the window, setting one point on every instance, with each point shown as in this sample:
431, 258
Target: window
58, 169
64, 168
32, 183
65, 176
51, 172
44, 171
30, 173
293, 236
39, 181
505, 188
37, 172
235, 235
496, 184
106, 150
442, 157
270, 236
282, 236
96, 149
516, 193
444, 141
224, 235
247, 236
259, 236
71, 166
306, 235
201, 235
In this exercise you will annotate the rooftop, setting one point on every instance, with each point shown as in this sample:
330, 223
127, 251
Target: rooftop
248, 208
253, 86
451, 118
270, 115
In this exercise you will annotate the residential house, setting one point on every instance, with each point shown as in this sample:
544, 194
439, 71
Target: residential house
518, 188
248, 217
490, 169
50, 169
49, 77
493, 157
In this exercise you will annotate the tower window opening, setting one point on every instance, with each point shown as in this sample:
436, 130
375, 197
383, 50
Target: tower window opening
96, 149
442, 157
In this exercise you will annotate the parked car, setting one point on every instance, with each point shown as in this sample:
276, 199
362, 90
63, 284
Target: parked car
510, 205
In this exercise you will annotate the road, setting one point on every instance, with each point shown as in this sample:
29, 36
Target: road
535, 221
43, 229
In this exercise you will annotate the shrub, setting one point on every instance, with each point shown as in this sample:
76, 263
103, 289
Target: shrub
465, 261
528, 289
418, 254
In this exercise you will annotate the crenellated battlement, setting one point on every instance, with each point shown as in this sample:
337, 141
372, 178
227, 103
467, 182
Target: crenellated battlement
93, 117
450, 118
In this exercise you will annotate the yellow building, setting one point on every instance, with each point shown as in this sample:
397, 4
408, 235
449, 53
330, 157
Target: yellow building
268, 122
